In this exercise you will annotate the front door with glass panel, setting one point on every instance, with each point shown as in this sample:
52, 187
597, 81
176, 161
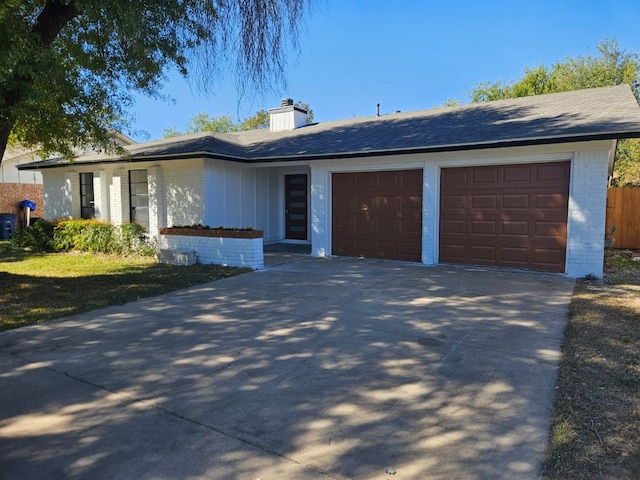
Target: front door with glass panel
295, 188
87, 206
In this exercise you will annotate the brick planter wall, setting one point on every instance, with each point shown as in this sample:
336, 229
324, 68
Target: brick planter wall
235, 248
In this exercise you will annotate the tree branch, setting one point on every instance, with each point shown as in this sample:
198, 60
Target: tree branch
52, 19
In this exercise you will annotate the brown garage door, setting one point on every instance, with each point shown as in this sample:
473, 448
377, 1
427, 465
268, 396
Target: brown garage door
507, 215
378, 214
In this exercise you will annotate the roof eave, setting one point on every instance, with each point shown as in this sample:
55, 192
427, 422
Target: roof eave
353, 154
451, 147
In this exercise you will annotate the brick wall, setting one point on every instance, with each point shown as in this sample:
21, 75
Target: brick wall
587, 210
234, 252
11, 194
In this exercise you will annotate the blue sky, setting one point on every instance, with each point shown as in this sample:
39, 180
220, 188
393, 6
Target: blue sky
408, 55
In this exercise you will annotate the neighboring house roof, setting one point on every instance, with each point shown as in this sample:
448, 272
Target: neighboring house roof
14, 157
592, 114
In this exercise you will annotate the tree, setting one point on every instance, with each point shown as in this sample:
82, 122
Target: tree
202, 122
257, 121
69, 68
611, 67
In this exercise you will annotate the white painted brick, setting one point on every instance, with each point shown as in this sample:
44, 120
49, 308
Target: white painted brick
234, 252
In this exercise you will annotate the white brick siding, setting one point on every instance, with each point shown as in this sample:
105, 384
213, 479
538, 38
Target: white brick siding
587, 212
119, 197
320, 207
233, 252
101, 182
157, 204
184, 192
57, 194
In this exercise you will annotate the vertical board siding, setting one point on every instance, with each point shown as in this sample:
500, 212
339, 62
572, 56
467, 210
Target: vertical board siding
623, 211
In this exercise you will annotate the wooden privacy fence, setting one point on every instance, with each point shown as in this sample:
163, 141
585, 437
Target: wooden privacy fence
623, 211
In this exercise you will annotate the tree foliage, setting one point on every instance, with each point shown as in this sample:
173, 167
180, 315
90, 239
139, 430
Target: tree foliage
203, 122
612, 66
69, 69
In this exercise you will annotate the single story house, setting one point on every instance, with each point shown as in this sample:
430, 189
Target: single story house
517, 183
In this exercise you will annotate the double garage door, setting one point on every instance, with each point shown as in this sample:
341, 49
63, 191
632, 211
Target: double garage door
503, 215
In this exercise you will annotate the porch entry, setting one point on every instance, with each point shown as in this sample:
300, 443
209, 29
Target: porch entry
295, 200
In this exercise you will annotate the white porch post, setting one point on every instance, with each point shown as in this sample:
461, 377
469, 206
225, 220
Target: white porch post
101, 182
119, 193
320, 197
157, 202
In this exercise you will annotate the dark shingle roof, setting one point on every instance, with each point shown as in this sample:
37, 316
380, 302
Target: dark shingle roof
599, 113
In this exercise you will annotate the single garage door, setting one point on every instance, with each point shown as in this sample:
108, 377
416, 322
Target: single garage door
377, 214
506, 215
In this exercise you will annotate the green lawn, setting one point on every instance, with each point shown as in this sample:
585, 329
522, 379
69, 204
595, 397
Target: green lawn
36, 287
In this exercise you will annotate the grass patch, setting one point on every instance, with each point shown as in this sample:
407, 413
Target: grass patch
596, 424
36, 287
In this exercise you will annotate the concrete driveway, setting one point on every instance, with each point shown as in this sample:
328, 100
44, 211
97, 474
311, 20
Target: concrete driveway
312, 369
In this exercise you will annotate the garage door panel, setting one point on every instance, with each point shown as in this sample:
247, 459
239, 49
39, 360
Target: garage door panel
364, 246
547, 256
552, 172
483, 227
524, 227
515, 228
515, 255
454, 176
364, 224
453, 251
454, 202
550, 229
385, 209
412, 203
485, 176
549, 201
452, 227
515, 201
484, 201
483, 253
411, 226
387, 225
516, 174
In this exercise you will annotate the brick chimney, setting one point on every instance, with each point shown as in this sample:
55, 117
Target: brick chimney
286, 116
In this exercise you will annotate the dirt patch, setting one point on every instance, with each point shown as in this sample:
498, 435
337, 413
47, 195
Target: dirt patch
596, 427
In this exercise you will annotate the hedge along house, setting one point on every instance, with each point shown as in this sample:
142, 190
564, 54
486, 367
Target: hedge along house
516, 183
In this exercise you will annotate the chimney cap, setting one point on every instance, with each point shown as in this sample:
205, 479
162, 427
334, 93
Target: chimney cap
287, 102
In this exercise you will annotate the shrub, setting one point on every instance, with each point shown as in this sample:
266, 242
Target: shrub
87, 236
100, 237
133, 238
38, 237
84, 235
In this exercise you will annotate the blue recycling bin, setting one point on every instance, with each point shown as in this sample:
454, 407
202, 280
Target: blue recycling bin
7, 225
28, 204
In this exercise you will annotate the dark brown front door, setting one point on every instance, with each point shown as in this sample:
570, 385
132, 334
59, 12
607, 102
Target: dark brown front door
378, 214
505, 215
295, 192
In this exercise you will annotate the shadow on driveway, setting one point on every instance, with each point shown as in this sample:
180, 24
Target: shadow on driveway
315, 368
